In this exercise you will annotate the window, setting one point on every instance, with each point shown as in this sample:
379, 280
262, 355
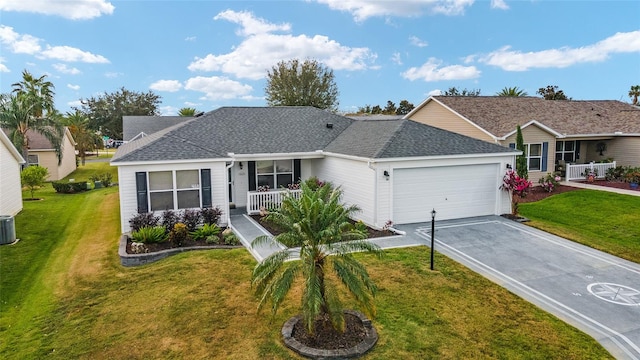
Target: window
173, 190
566, 150
33, 160
275, 174
533, 152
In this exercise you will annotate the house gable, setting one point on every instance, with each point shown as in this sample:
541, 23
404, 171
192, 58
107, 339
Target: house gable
434, 113
10, 187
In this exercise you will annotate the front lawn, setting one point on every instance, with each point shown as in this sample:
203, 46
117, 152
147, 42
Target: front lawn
602, 220
63, 295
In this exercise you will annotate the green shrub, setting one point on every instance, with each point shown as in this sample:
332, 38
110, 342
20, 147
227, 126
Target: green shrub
104, 178
205, 231
69, 187
213, 239
229, 237
33, 177
149, 234
191, 218
179, 234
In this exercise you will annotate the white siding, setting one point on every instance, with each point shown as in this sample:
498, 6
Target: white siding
10, 187
357, 181
127, 187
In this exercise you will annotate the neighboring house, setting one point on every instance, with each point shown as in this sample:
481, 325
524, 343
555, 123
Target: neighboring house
396, 170
135, 127
41, 153
553, 131
10, 187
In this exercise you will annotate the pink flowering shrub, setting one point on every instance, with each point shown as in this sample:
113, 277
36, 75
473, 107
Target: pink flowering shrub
549, 182
517, 187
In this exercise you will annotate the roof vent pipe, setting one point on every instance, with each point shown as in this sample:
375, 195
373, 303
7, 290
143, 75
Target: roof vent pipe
329, 126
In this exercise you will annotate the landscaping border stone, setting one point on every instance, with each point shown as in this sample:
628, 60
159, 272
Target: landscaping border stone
353, 352
129, 260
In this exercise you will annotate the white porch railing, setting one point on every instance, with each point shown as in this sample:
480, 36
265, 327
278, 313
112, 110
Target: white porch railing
267, 199
576, 171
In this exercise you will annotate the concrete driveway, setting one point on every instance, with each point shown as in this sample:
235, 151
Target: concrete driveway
593, 291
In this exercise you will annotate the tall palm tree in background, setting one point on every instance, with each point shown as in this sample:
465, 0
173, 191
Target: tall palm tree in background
512, 92
85, 138
319, 225
634, 93
187, 111
17, 119
30, 107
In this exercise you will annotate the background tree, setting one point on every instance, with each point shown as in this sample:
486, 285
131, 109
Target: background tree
187, 111
453, 91
634, 93
33, 177
86, 139
319, 225
551, 92
521, 160
511, 92
376, 110
307, 83
404, 107
390, 108
38, 93
105, 112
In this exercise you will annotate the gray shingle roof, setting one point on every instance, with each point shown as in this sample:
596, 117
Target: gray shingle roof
273, 130
134, 125
500, 115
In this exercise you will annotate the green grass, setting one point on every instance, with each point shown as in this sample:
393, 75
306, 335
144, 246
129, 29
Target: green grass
603, 220
64, 296
83, 173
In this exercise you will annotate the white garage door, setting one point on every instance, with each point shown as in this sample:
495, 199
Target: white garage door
453, 191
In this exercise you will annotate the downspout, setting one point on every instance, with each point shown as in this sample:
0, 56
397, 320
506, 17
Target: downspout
375, 197
226, 193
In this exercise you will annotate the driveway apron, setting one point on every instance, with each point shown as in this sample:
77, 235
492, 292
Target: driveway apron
591, 290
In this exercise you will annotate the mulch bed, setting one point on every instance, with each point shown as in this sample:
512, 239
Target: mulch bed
325, 337
538, 193
372, 233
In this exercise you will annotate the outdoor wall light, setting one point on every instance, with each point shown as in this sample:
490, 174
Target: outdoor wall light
508, 166
240, 164
386, 174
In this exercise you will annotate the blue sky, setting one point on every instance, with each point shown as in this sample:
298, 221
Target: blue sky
207, 54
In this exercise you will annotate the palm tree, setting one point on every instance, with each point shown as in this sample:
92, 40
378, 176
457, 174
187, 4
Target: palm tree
17, 118
634, 93
85, 138
512, 92
187, 111
319, 226
36, 91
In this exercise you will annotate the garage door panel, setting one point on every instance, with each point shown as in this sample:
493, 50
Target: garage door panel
454, 191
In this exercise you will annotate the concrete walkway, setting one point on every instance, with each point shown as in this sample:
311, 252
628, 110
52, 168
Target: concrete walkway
601, 188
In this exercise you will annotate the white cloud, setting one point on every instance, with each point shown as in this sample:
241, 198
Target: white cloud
513, 60
74, 10
3, 67
168, 110
73, 87
260, 51
218, 88
416, 41
499, 4
113, 74
19, 43
364, 9
251, 25
190, 38
431, 71
435, 92
71, 54
166, 85
63, 68
75, 103
192, 104
396, 58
